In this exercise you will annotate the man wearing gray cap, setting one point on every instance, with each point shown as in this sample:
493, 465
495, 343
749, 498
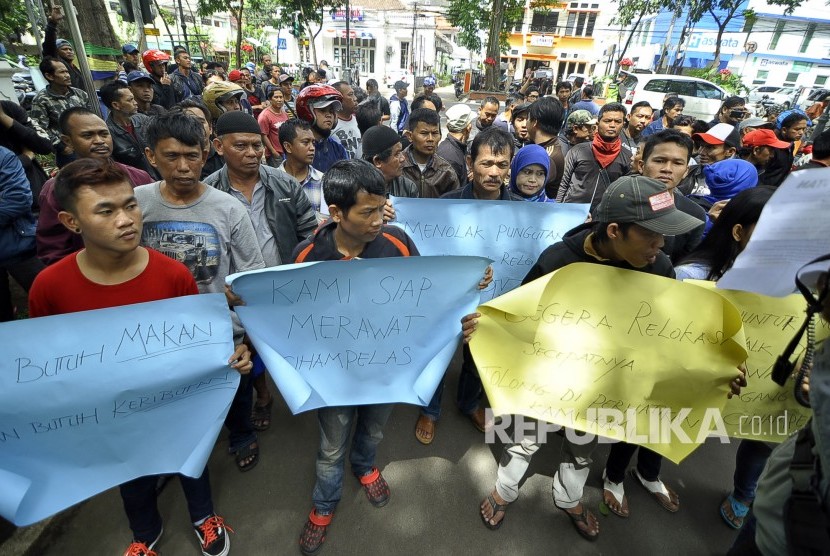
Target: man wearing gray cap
61, 48
751, 124
631, 221
453, 148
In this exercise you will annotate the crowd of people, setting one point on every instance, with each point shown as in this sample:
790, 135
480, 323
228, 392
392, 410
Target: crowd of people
274, 174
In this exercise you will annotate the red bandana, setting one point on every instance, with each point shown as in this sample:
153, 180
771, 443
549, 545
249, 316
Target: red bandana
605, 152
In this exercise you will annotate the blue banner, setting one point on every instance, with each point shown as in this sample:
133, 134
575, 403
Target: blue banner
512, 233
91, 400
361, 331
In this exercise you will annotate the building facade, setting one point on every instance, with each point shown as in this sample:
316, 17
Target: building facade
566, 38
769, 49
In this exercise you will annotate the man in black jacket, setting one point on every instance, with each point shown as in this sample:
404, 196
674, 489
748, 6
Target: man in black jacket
591, 167
384, 149
126, 126
628, 232
665, 157
454, 147
61, 48
489, 162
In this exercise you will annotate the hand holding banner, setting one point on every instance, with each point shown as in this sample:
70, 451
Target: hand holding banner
610, 352
765, 411
91, 400
361, 331
512, 233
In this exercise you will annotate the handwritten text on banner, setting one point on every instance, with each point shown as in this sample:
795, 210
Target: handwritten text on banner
93, 399
361, 331
764, 410
590, 338
512, 233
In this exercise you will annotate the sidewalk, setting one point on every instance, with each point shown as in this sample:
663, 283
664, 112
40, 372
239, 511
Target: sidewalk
436, 491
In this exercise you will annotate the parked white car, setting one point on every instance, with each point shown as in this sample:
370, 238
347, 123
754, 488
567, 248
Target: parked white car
703, 99
781, 95
757, 93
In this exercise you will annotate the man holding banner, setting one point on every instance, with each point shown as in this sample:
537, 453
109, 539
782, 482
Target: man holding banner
632, 219
489, 160
112, 270
356, 194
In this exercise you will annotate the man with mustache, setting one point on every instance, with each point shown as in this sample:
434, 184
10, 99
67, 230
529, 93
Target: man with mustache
489, 163
87, 135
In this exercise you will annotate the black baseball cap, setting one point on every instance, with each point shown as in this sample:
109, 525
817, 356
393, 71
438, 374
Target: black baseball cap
647, 203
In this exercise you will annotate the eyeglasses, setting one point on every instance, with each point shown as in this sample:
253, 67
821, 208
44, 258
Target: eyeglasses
243, 147
739, 114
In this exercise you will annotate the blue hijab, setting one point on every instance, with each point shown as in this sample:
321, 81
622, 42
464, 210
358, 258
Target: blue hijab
527, 155
729, 177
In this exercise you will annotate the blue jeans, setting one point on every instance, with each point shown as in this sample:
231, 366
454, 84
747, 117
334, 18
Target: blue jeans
750, 460
141, 503
335, 427
469, 389
240, 430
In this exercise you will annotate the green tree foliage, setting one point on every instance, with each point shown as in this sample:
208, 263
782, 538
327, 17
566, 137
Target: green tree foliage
237, 10
631, 13
14, 22
496, 17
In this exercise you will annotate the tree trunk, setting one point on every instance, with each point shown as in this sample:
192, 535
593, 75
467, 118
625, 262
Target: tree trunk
627, 43
493, 47
94, 23
238, 50
721, 29
313, 38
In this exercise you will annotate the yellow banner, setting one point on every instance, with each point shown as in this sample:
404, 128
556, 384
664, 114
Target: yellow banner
616, 353
764, 410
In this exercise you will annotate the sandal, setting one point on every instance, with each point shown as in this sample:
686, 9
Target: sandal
425, 429
314, 532
585, 523
261, 416
496, 509
617, 493
738, 510
665, 496
249, 453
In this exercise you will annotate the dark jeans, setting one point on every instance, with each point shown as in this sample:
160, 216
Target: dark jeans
141, 503
744, 544
469, 389
335, 429
750, 460
240, 430
24, 273
648, 462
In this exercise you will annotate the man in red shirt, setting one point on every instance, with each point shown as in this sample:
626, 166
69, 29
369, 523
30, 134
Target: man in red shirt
98, 203
269, 122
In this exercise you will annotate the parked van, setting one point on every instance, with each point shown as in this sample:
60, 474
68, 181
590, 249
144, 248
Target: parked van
703, 99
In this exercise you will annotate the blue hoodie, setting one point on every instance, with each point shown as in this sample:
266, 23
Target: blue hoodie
727, 178
527, 155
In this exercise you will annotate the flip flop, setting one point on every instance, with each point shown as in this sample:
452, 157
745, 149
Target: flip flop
261, 416
617, 492
425, 430
739, 511
583, 517
496, 509
250, 451
665, 496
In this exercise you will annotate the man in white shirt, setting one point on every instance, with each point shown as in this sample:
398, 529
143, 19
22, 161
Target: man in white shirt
346, 130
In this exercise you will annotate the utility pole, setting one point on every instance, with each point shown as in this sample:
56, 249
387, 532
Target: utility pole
86, 74
347, 63
139, 25
35, 21
665, 50
183, 25
412, 44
